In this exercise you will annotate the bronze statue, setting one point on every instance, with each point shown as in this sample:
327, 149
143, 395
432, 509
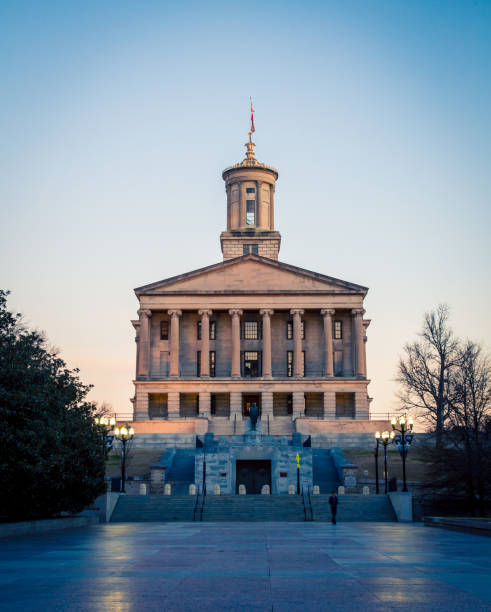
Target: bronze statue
253, 413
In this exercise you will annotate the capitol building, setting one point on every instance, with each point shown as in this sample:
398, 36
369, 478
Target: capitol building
247, 330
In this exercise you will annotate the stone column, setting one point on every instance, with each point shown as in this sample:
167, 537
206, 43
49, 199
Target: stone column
144, 343
266, 315
259, 220
297, 341
328, 348
235, 313
361, 405
329, 405
298, 404
228, 189
174, 342
205, 342
266, 409
271, 207
136, 325
236, 406
242, 207
360, 366
205, 404
173, 401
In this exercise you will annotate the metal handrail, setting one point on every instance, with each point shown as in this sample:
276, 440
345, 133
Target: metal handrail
307, 505
203, 503
304, 506
196, 501
310, 504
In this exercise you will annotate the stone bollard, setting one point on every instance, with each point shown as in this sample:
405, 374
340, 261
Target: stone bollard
316, 490
216, 489
341, 490
242, 489
265, 490
192, 489
167, 489
143, 489
366, 490
291, 490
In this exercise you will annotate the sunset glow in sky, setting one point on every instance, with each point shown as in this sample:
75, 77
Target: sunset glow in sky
117, 119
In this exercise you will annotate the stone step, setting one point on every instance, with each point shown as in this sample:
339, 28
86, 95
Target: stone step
243, 508
140, 508
354, 508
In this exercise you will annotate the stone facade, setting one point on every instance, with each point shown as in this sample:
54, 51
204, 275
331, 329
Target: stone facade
250, 329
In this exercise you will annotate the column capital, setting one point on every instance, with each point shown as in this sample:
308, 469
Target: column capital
328, 312
235, 312
144, 312
266, 312
357, 311
174, 312
297, 311
205, 312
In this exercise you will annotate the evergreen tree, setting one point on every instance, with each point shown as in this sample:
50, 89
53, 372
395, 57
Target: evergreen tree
51, 459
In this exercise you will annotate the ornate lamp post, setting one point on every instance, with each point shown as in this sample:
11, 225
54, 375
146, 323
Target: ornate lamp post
375, 452
124, 434
105, 425
387, 438
404, 430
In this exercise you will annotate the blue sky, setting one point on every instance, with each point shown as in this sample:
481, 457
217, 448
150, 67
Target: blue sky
117, 119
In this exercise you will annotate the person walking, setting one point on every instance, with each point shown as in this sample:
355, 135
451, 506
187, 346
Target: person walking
333, 502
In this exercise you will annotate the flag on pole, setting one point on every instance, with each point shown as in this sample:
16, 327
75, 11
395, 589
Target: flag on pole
253, 128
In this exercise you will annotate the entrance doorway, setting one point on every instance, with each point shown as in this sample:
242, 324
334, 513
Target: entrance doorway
247, 400
252, 474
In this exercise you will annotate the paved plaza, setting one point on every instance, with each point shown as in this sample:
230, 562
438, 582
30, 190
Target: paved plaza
247, 566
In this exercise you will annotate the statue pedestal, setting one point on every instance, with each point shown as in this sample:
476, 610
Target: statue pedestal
248, 427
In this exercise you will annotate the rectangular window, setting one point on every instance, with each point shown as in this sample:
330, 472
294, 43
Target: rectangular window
345, 405
212, 363
198, 330
251, 364
289, 363
250, 190
289, 330
157, 405
198, 363
164, 330
250, 212
251, 330
302, 364
247, 249
338, 330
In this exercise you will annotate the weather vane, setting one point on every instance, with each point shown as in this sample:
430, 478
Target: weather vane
253, 127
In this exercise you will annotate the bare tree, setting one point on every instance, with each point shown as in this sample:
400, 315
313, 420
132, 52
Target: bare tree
425, 371
468, 418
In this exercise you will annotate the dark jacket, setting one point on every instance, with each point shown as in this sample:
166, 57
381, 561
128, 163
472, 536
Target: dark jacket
333, 501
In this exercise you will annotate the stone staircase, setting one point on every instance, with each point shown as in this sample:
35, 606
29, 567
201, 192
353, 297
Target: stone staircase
181, 472
153, 508
251, 508
324, 472
354, 508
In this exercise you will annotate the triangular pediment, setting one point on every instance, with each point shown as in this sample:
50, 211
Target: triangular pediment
250, 273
